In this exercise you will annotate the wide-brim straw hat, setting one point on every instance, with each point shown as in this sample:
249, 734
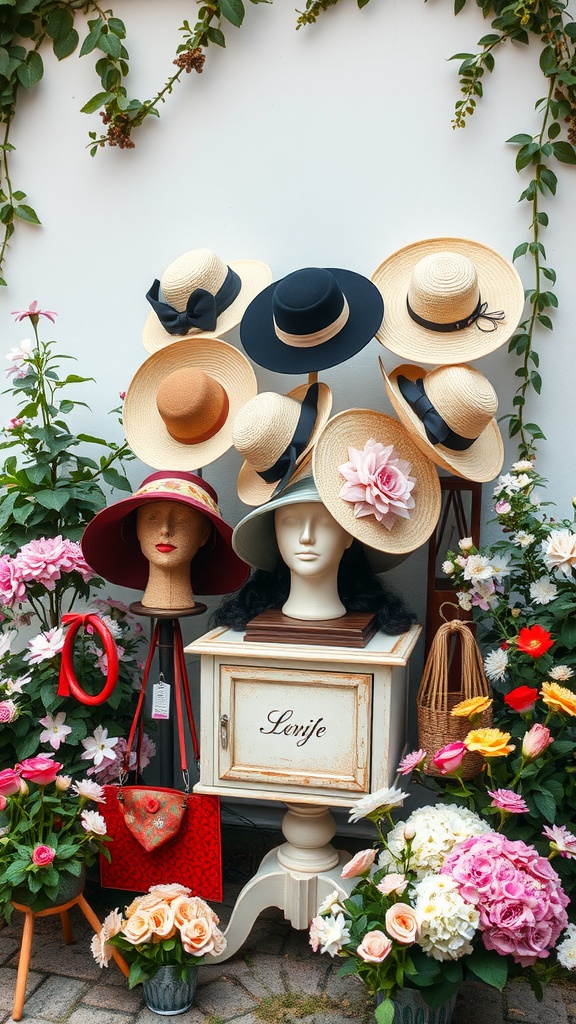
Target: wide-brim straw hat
467, 403
203, 269
444, 280
254, 539
353, 429
110, 544
264, 433
311, 319
228, 382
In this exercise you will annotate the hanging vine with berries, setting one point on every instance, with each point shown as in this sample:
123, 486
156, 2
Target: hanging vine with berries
28, 25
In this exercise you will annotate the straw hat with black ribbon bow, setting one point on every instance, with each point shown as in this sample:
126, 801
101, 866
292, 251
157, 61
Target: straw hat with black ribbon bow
375, 481
199, 294
448, 300
182, 402
275, 435
449, 412
311, 319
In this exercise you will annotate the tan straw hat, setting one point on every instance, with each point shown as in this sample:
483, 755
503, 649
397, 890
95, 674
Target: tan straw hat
182, 402
375, 481
449, 412
200, 295
275, 435
447, 300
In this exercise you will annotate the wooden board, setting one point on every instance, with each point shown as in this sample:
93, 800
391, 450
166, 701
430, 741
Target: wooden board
354, 629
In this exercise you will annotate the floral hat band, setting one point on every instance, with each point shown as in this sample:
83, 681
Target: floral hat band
173, 485
437, 430
283, 468
202, 307
479, 313
316, 337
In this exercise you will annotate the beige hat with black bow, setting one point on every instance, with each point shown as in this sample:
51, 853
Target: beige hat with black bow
275, 435
200, 295
447, 300
182, 402
450, 412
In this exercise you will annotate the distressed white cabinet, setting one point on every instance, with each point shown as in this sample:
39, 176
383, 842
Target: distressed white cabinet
320, 725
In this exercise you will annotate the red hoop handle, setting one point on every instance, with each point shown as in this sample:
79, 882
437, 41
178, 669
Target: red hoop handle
68, 685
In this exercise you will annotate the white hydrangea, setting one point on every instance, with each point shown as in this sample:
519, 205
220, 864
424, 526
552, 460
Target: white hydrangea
448, 922
464, 599
566, 950
495, 665
436, 830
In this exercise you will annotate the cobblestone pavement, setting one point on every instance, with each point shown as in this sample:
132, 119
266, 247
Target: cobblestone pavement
274, 979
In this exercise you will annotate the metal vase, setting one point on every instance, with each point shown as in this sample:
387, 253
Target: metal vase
166, 993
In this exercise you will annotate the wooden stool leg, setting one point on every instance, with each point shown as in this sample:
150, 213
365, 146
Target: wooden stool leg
23, 965
66, 928
93, 920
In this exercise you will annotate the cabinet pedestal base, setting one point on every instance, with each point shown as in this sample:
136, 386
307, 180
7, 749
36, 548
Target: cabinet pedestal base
295, 876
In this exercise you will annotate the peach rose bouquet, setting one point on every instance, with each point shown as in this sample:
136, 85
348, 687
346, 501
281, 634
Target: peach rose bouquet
167, 926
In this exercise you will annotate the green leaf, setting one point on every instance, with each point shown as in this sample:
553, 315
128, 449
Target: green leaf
549, 179
53, 499
548, 60
459, 5
111, 45
233, 11
27, 213
93, 37
117, 27
384, 1012
216, 36
545, 803
30, 72
526, 155
519, 250
489, 967
65, 45
59, 22
97, 101
115, 479
536, 381
564, 152
520, 140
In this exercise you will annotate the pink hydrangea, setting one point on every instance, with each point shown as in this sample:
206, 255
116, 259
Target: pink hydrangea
378, 481
516, 891
12, 589
44, 560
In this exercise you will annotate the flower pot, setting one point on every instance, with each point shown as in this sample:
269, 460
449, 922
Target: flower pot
166, 993
70, 886
410, 1008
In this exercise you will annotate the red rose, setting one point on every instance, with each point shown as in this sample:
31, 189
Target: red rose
152, 806
41, 770
534, 641
522, 699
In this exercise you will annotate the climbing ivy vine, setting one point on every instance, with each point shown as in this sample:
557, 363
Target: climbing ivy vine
26, 26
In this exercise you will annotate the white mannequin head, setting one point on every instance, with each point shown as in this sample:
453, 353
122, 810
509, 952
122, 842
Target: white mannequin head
311, 543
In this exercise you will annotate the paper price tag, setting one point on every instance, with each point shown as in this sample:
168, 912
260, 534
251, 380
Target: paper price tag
161, 700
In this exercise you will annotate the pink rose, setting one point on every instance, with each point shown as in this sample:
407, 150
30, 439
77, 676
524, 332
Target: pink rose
138, 928
402, 923
535, 741
360, 864
9, 782
374, 947
392, 883
3, 803
43, 855
8, 711
198, 936
40, 769
448, 758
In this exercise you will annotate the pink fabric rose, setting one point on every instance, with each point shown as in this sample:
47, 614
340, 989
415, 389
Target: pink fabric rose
9, 782
448, 758
12, 589
8, 711
43, 855
402, 923
374, 947
507, 800
360, 864
40, 769
378, 482
535, 741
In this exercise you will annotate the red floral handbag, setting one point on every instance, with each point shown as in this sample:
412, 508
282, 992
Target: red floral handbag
163, 835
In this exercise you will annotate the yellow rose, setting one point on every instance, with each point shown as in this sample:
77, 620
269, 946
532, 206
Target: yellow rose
489, 742
472, 706
559, 698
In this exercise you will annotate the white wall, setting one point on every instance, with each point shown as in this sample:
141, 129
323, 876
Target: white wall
330, 146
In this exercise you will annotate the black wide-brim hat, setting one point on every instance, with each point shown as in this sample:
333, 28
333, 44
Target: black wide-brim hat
311, 319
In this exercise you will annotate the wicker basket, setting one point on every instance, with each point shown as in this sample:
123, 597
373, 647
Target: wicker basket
439, 693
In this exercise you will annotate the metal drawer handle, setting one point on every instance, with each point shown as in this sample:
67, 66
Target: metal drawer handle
224, 731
